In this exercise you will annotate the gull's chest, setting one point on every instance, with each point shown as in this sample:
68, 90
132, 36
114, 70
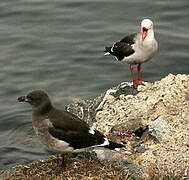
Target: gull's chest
143, 51
41, 130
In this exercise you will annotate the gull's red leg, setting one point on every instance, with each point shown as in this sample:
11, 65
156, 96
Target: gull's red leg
139, 81
139, 68
132, 69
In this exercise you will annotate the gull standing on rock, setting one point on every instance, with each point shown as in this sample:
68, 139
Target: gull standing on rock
62, 131
135, 49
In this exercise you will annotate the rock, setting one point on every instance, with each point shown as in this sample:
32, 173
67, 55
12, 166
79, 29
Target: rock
140, 149
137, 144
86, 110
124, 88
159, 129
134, 170
106, 154
130, 125
187, 96
164, 107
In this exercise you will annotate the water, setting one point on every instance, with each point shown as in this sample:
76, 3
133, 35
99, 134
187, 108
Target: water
58, 46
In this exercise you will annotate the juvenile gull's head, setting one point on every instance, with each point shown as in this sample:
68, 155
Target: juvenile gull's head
39, 100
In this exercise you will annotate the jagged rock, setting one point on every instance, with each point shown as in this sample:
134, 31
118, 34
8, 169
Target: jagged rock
163, 106
135, 171
187, 96
159, 129
130, 126
140, 149
86, 110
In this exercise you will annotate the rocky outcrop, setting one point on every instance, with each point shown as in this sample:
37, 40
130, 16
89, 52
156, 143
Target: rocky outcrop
152, 121
163, 106
161, 109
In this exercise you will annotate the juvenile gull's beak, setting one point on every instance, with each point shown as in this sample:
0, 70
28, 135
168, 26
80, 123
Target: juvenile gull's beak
23, 99
144, 33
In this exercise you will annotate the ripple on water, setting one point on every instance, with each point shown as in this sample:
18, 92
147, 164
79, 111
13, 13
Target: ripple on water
18, 143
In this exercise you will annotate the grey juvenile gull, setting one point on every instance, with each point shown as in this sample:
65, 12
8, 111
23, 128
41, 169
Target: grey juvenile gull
62, 131
136, 48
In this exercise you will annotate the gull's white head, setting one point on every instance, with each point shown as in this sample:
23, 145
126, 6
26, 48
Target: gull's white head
146, 27
147, 23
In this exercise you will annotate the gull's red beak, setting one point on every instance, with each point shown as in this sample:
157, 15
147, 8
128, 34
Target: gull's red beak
144, 33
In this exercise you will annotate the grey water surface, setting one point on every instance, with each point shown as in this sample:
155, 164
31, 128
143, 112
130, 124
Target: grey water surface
57, 46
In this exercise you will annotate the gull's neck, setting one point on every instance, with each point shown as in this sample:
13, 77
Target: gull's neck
150, 35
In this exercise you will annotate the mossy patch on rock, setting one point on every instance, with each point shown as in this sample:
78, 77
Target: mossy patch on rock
75, 169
